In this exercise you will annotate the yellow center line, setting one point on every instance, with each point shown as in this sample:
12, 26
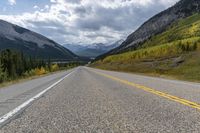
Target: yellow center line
153, 91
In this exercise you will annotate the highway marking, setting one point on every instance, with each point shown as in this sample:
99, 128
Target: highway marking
10, 114
156, 92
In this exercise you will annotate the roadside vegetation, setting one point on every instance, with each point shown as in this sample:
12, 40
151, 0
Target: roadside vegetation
174, 53
14, 66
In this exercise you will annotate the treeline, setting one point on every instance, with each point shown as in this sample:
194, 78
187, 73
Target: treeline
14, 64
167, 50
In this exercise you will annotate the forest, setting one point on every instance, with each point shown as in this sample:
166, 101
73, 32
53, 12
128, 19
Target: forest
15, 65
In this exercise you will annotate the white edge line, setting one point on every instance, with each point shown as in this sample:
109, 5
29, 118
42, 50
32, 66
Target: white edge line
7, 116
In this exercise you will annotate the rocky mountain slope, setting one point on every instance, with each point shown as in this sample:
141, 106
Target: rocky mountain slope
31, 43
158, 24
174, 52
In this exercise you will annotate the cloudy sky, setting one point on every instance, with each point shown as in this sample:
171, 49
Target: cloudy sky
81, 21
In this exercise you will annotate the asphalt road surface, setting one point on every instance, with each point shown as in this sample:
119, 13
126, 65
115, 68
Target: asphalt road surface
91, 100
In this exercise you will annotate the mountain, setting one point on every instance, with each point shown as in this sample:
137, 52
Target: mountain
82, 50
173, 52
74, 47
92, 50
31, 43
158, 24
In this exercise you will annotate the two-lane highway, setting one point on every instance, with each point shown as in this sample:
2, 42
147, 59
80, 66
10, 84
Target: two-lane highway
92, 100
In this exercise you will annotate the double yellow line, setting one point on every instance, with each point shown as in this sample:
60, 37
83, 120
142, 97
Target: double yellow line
153, 91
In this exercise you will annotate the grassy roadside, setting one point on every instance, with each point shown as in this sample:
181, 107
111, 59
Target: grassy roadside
181, 67
152, 74
24, 79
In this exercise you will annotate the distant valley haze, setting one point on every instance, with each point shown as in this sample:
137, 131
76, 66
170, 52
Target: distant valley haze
92, 50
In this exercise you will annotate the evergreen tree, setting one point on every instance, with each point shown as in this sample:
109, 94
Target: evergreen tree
3, 74
49, 64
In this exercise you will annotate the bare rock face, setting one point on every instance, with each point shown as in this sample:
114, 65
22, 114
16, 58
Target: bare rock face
158, 24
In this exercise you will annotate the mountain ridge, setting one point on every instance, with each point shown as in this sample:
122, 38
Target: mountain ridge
157, 24
31, 43
173, 53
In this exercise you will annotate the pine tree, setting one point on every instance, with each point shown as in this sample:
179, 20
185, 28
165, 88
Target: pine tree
3, 74
49, 64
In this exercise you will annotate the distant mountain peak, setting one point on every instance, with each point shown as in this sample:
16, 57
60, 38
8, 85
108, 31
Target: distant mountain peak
92, 50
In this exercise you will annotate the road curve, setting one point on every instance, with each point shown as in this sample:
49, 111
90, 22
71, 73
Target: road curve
92, 100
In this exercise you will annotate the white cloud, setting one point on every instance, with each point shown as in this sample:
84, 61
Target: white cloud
12, 2
53, 1
35, 7
46, 6
89, 21
168, 3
